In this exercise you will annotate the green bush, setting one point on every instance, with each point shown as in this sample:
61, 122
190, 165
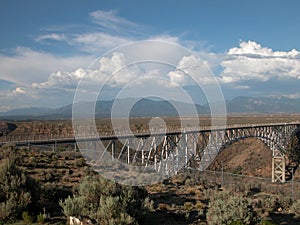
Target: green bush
110, 211
74, 206
80, 162
236, 223
13, 195
27, 218
149, 204
267, 222
107, 202
269, 203
285, 202
40, 218
230, 209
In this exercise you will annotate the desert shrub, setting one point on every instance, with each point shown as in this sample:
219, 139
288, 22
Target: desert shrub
296, 208
149, 204
107, 202
190, 181
236, 223
208, 194
227, 209
199, 205
13, 195
27, 218
74, 206
110, 211
80, 162
268, 203
285, 202
188, 206
32, 161
40, 218
237, 170
7, 151
267, 222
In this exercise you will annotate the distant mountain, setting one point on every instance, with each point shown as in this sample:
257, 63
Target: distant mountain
263, 105
30, 111
151, 107
141, 108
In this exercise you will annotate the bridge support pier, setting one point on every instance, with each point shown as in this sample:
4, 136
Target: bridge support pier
278, 168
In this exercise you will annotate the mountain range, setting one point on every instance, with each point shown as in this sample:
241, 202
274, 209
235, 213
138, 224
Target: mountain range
150, 107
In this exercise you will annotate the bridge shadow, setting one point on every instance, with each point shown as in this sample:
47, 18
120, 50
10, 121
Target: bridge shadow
293, 154
170, 203
166, 203
282, 219
164, 218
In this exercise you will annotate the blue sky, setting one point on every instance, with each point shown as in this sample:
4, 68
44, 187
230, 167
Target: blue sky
252, 46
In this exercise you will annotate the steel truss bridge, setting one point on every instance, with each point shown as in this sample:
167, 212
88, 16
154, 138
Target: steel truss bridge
165, 151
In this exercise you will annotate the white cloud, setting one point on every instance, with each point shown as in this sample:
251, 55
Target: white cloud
165, 38
61, 79
51, 36
114, 72
97, 42
251, 61
20, 90
110, 19
43, 75
33, 81
252, 48
26, 66
191, 69
12, 93
103, 71
36, 74
108, 31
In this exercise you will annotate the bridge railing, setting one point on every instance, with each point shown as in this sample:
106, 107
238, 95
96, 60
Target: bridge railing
119, 133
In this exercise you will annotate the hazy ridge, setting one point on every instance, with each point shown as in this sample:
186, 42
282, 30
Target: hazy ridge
149, 107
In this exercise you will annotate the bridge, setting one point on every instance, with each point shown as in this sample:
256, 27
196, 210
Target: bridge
166, 152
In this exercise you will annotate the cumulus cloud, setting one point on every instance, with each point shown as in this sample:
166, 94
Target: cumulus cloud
37, 74
19, 90
61, 79
251, 61
191, 69
26, 66
44, 75
12, 93
27, 78
106, 70
116, 72
252, 48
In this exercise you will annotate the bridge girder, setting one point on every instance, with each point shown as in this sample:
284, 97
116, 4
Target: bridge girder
167, 153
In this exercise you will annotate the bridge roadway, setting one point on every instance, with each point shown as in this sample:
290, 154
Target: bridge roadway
156, 148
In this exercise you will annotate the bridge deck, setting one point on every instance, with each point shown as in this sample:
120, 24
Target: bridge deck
44, 140
158, 147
